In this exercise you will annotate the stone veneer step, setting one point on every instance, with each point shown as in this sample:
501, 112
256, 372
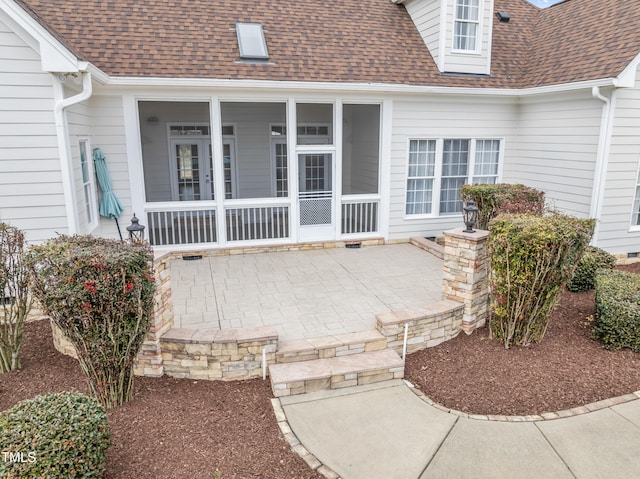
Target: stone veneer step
336, 372
324, 347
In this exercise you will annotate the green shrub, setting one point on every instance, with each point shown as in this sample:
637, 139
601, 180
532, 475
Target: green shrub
15, 302
99, 292
532, 259
501, 198
56, 435
618, 309
592, 260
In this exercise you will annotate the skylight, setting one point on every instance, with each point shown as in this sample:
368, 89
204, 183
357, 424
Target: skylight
251, 41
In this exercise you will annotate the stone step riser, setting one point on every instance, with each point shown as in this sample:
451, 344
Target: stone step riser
335, 373
330, 347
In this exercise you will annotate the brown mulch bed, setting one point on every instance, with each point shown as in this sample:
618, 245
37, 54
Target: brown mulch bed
180, 428
475, 374
173, 428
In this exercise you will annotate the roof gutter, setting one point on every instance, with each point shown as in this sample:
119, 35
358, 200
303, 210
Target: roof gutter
602, 158
378, 88
62, 133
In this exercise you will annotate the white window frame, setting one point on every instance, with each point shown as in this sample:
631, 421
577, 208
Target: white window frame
233, 167
477, 23
89, 192
437, 183
251, 41
279, 139
433, 177
634, 221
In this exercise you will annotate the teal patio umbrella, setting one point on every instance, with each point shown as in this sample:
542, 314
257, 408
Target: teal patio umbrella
110, 206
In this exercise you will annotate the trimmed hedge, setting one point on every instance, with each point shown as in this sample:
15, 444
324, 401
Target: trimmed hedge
585, 275
55, 435
618, 309
500, 198
532, 259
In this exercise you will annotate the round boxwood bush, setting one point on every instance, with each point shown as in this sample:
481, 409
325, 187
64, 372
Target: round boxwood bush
592, 260
55, 435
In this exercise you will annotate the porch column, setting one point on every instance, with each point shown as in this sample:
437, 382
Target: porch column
465, 275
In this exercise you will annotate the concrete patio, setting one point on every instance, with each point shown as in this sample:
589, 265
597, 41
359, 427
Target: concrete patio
303, 294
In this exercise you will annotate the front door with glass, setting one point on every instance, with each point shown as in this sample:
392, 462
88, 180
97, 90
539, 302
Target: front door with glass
192, 165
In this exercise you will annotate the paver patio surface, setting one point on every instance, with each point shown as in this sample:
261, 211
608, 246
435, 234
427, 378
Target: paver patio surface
303, 294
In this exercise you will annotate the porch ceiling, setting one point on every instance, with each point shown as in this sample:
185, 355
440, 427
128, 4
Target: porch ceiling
303, 294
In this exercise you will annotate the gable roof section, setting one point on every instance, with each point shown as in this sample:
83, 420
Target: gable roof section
582, 40
353, 41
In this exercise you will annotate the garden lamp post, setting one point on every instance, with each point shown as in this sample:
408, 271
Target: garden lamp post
470, 215
136, 230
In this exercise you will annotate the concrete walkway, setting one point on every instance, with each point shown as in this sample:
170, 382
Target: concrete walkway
386, 431
303, 294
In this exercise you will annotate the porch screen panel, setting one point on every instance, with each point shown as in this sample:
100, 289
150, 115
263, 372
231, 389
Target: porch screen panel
422, 161
360, 149
455, 164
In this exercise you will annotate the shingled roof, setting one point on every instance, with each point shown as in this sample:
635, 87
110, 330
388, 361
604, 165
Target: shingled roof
363, 41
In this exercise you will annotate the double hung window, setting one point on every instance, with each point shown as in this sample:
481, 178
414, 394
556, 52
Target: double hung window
438, 168
635, 214
466, 25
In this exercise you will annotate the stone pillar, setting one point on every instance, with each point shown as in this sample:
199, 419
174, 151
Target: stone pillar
149, 361
465, 275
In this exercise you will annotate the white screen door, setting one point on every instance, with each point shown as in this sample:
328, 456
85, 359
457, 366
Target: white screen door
315, 197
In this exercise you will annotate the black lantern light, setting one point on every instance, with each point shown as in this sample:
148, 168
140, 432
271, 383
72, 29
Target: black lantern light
136, 230
470, 215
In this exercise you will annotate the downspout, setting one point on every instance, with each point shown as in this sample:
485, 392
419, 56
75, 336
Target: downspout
64, 147
602, 158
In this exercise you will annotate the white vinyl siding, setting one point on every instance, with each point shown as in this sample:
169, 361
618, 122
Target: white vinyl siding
467, 37
616, 230
437, 118
108, 134
557, 149
466, 25
31, 193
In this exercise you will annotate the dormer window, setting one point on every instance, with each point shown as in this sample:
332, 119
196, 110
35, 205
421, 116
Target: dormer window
466, 25
251, 41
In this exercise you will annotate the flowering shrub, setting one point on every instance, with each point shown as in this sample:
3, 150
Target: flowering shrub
99, 292
493, 200
15, 302
532, 259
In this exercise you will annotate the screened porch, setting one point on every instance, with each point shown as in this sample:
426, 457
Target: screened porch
232, 180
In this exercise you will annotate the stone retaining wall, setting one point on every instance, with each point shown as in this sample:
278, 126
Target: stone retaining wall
229, 354
428, 326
